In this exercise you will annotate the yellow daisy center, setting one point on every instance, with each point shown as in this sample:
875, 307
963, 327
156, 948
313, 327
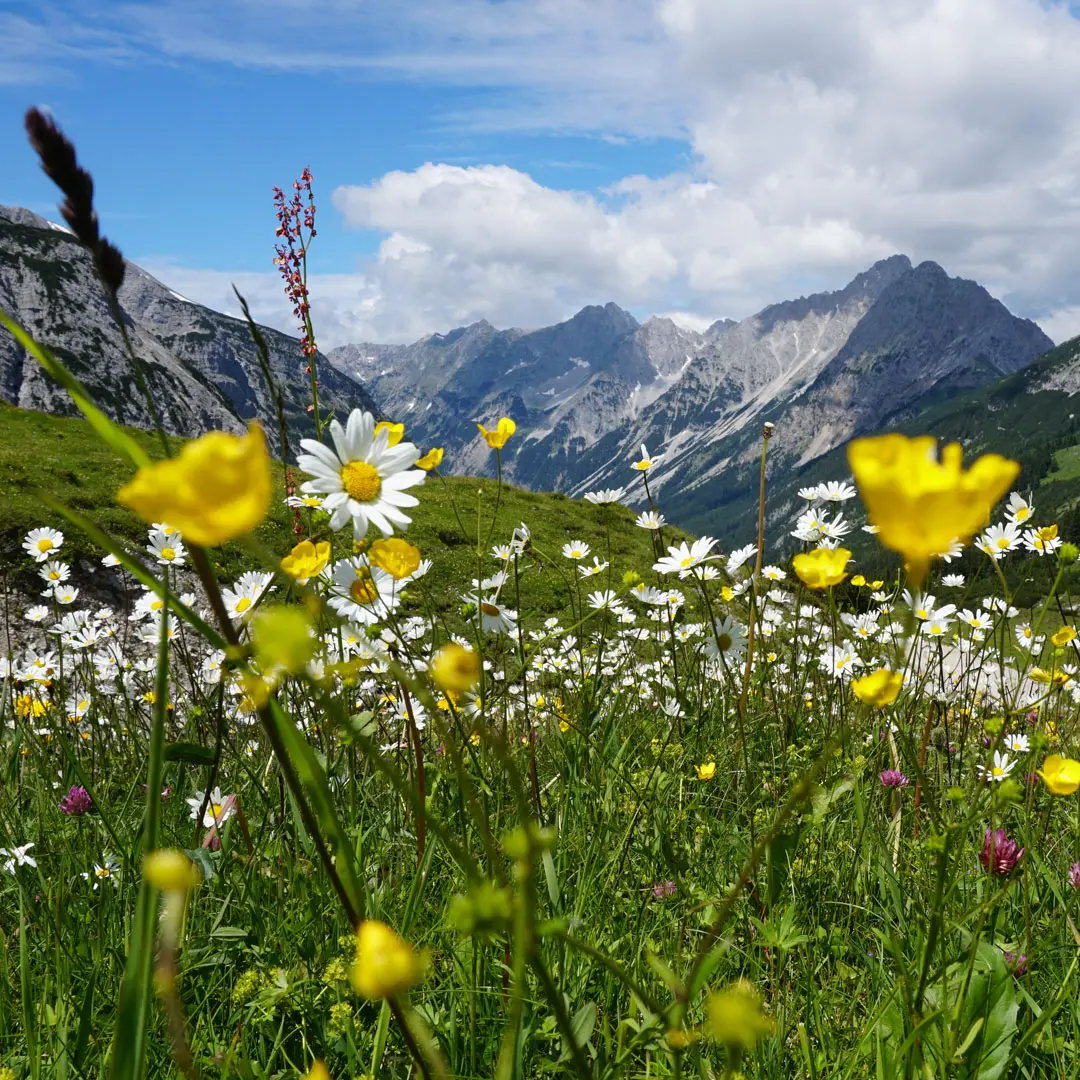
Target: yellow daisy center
361, 481
688, 561
216, 809
724, 642
44, 544
168, 553
489, 609
243, 603
363, 589
156, 605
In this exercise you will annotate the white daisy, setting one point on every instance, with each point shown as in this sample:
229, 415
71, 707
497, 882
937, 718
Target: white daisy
41, 543
647, 460
684, 556
167, 550
216, 811
363, 479
650, 519
362, 593
576, 549
1000, 769
604, 497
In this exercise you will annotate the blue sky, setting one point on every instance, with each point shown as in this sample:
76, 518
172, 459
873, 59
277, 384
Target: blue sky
516, 159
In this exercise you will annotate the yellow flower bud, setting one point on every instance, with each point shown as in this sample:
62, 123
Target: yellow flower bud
170, 870
456, 668
736, 1018
385, 964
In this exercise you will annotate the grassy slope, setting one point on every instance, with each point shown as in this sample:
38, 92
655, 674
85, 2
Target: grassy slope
64, 457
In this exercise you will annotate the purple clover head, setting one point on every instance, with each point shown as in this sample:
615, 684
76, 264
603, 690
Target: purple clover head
1016, 963
999, 854
76, 802
663, 888
1074, 875
894, 778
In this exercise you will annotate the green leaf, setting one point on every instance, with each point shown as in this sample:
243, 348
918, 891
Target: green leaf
115, 436
583, 1022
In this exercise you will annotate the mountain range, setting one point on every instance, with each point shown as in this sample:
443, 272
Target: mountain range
587, 393
901, 345
202, 366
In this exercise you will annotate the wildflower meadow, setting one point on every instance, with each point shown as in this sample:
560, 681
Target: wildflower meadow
573, 811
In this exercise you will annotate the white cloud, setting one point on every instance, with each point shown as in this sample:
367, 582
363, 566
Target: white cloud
824, 136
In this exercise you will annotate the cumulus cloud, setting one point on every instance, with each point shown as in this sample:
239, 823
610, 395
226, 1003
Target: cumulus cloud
823, 136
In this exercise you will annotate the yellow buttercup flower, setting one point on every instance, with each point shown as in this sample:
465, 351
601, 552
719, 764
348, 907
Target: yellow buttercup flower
1060, 774
431, 460
735, 1017
394, 432
879, 688
1064, 636
858, 579
920, 505
456, 668
217, 489
306, 560
318, 1071
706, 771
396, 556
821, 568
497, 437
385, 963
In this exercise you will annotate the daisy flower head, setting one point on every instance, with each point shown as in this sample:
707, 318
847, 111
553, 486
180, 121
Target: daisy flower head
597, 567
998, 539
739, 556
37, 613
54, 571
1000, 768
40, 544
216, 812
647, 460
650, 519
604, 497
953, 581
167, 550
362, 593
17, 857
684, 556
728, 640
811, 494
576, 549
1018, 510
65, 594
495, 618
836, 491
363, 479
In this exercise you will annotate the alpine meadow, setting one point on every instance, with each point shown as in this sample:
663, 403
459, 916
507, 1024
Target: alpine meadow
326, 756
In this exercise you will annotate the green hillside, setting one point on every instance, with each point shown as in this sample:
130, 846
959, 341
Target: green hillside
64, 457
